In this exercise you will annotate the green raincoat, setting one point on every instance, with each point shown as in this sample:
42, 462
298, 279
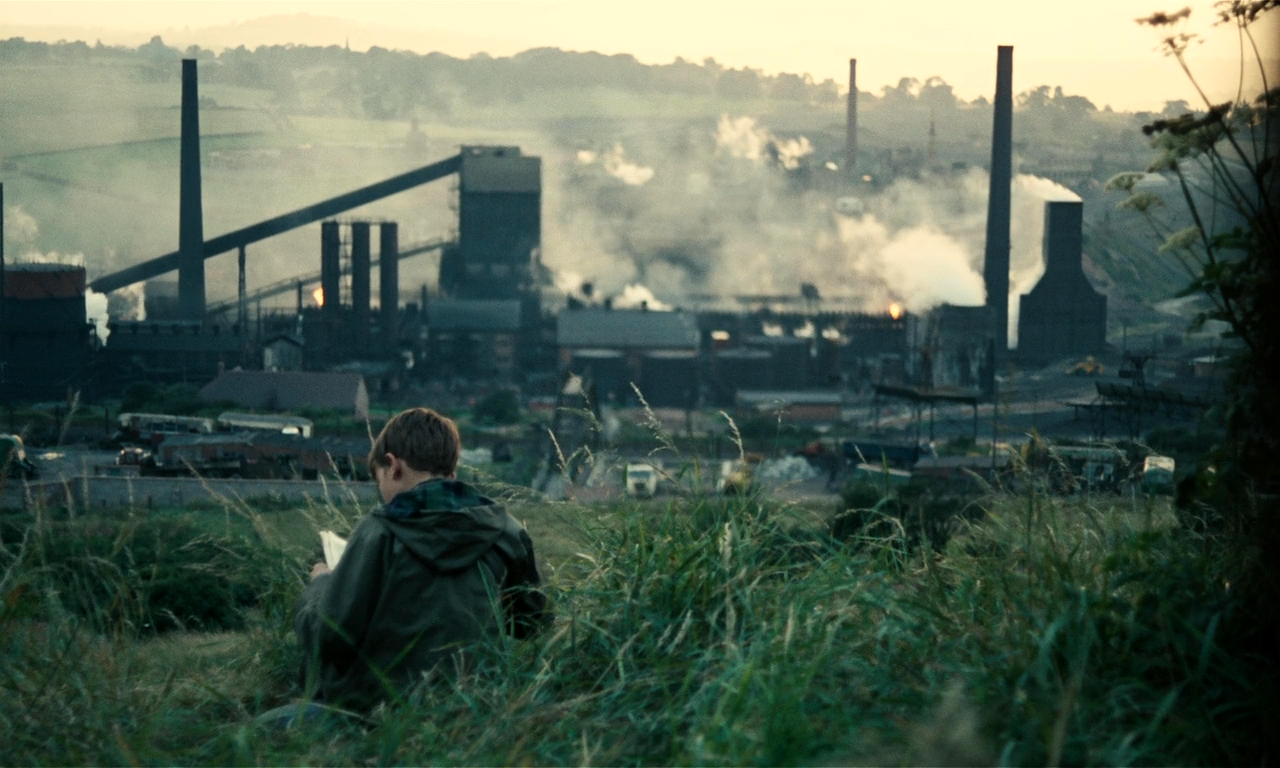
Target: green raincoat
435, 571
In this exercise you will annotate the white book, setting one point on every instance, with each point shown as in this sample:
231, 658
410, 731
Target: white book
334, 545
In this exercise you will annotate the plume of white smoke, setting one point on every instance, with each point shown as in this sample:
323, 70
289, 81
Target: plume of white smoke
568, 282
33, 256
129, 302
1046, 190
618, 166
740, 137
791, 150
95, 310
722, 216
636, 296
921, 265
925, 242
615, 163
19, 226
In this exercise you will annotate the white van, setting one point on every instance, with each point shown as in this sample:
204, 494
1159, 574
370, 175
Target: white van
641, 480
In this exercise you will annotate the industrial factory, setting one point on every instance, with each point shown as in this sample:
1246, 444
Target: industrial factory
491, 318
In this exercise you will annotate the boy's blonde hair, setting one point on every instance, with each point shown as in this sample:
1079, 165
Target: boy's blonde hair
422, 438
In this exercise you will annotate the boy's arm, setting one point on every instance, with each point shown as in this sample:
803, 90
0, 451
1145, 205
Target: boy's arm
526, 603
337, 608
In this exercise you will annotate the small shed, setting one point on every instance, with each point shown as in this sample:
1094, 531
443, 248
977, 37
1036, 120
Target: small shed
282, 352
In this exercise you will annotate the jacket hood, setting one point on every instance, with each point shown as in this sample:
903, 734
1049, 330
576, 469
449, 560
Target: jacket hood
448, 525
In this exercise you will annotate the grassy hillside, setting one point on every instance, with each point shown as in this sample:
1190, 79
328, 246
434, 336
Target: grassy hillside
688, 631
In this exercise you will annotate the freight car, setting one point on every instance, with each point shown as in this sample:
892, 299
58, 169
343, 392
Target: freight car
257, 455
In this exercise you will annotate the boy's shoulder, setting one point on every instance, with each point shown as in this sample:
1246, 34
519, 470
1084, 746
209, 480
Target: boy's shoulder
438, 495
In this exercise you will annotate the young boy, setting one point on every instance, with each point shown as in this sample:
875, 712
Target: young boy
436, 569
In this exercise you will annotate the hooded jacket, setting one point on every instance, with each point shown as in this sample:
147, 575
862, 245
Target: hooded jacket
436, 570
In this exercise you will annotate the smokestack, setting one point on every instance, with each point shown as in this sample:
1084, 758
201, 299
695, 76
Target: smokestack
1063, 238
360, 279
851, 123
995, 271
932, 149
190, 207
1063, 315
330, 269
389, 284
2, 301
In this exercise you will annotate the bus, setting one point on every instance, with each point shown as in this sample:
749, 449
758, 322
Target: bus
152, 428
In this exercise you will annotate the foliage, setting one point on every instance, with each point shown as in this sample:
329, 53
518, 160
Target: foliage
500, 406
909, 517
1223, 160
173, 399
134, 574
705, 631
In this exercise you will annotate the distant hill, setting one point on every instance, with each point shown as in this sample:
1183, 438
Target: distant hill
301, 29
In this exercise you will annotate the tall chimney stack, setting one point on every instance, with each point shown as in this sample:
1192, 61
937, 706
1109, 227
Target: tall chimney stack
190, 208
851, 123
360, 267
389, 285
995, 270
330, 270
2, 301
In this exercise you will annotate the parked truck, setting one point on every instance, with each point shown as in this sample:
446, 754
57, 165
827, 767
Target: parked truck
641, 479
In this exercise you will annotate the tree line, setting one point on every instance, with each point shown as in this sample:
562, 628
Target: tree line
391, 84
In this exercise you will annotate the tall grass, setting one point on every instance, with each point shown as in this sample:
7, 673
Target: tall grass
696, 631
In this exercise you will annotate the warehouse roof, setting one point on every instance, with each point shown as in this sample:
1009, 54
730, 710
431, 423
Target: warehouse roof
635, 329
463, 315
290, 390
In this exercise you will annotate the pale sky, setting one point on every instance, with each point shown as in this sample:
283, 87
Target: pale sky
1091, 48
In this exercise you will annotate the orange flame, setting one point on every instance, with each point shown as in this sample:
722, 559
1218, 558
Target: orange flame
318, 295
895, 310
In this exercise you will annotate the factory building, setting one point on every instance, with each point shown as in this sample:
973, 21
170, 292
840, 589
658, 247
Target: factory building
957, 347
473, 339
487, 322
170, 351
47, 341
658, 351
1063, 316
499, 225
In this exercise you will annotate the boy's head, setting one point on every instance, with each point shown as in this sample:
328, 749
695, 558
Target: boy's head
422, 438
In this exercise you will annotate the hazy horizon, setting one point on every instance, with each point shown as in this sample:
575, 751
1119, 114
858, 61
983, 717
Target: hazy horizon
1090, 48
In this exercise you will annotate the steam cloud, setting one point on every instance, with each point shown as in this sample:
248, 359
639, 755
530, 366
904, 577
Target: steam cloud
740, 137
728, 212
615, 163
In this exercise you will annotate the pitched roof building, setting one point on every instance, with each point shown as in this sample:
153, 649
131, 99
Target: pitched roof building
290, 390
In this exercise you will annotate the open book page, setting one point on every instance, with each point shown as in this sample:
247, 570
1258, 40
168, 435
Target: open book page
333, 547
